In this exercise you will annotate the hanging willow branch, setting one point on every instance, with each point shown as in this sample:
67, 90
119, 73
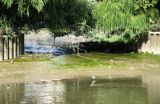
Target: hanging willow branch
112, 15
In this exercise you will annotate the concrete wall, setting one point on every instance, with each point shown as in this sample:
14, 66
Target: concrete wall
152, 45
11, 47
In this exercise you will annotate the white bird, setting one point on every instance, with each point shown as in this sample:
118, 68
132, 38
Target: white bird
93, 77
8, 87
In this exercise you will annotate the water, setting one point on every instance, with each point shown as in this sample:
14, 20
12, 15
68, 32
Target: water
77, 91
45, 50
109, 86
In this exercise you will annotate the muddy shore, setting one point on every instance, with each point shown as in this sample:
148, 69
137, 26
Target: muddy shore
23, 72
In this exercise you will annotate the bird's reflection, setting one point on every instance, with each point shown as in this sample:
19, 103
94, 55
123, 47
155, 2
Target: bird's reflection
93, 83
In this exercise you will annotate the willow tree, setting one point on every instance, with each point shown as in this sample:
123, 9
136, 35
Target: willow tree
121, 20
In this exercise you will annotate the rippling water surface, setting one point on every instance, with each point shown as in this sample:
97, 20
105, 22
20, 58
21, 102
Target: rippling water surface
82, 91
141, 86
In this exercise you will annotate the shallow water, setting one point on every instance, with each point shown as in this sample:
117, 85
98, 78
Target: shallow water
137, 80
75, 91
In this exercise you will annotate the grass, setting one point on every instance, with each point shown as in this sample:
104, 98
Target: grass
91, 60
31, 58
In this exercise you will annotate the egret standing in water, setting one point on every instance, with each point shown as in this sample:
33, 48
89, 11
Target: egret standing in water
93, 82
93, 77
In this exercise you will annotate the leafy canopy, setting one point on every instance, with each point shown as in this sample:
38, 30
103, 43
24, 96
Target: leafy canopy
122, 20
57, 15
25, 5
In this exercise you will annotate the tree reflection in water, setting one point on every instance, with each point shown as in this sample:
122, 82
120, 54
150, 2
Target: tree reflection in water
44, 93
78, 91
33, 93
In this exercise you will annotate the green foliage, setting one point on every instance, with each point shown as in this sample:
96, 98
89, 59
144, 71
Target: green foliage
154, 27
153, 13
58, 15
25, 5
6, 27
115, 20
62, 15
144, 5
15, 14
117, 15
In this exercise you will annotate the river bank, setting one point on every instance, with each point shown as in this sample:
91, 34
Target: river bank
38, 71
35, 68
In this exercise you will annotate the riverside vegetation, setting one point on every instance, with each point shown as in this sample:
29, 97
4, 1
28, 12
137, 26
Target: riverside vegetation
121, 21
119, 78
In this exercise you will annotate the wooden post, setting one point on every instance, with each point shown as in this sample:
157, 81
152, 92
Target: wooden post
155, 43
10, 48
1, 46
159, 43
15, 46
149, 43
1, 49
6, 47
20, 46
18, 49
152, 42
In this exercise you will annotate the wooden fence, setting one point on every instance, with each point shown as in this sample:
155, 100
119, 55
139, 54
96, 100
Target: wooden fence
11, 46
152, 45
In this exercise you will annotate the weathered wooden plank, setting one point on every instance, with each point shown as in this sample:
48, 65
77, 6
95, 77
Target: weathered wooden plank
153, 43
10, 48
18, 46
150, 32
1, 49
159, 43
6, 48
15, 46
